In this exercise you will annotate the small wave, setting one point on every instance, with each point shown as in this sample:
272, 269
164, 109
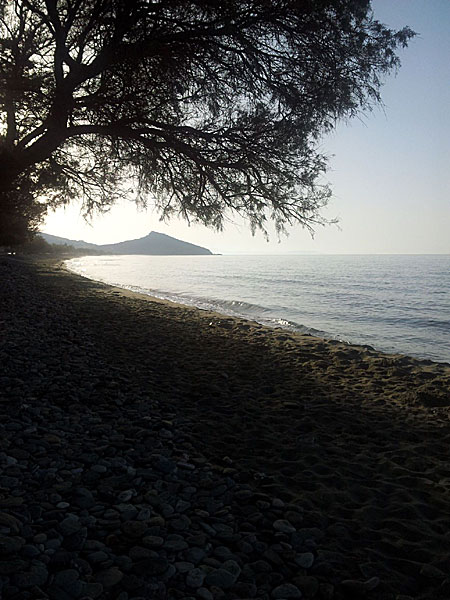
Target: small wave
240, 306
234, 308
298, 327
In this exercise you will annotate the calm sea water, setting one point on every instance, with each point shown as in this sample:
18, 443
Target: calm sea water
395, 303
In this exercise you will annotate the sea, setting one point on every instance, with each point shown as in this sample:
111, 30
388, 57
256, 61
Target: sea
393, 303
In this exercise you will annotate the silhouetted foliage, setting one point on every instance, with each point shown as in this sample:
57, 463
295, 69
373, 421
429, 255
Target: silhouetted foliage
20, 212
205, 106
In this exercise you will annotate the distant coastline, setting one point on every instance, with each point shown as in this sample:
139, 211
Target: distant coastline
153, 244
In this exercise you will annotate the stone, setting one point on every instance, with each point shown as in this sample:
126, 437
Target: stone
69, 582
153, 541
284, 526
309, 586
243, 589
194, 555
360, 587
163, 464
99, 469
221, 578
204, 594
8, 567
36, 576
97, 557
109, 577
232, 567
181, 523
137, 553
70, 525
183, 566
195, 578
10, 544
134, 529
93, 590
175, 543
126, 495
83, 498
305, 560
29, 551
286, 591
144, 514
432, 572
151, 566
7, 520
61, 558
326, 591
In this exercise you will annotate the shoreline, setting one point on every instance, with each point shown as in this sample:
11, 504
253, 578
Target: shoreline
294, 328
347, 446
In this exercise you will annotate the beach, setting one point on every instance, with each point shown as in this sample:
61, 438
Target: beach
154, 450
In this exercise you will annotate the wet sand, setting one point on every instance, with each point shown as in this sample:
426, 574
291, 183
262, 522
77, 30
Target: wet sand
358, 439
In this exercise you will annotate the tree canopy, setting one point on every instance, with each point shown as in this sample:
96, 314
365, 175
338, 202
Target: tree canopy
203, 106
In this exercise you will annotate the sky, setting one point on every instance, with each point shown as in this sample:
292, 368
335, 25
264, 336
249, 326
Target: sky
389, 170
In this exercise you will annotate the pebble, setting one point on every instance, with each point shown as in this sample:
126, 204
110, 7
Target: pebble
284, 526
116, 501
109, 577
36, 576
305, 560
221, 578
10, 545
70, 525
153, 541
286, 590
195, 578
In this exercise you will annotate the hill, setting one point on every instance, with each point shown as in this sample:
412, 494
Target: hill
152, 244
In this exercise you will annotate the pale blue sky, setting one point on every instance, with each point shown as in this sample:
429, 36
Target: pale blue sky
390, 172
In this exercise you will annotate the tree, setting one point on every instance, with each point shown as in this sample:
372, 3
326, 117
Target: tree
205, 106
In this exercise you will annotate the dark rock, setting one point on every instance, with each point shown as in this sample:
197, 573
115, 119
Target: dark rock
284, 526
194, 555
137, 553
286, 591
109, 577
163, 464
221, 578
309, 586
70, 525
36, 576
305, 560
195, 578
153, 541
175, 543
83, 498
30, 551
360, 587
7, 520
151, 566
10, 545
134, 529
9, 567
69, 582
61, 558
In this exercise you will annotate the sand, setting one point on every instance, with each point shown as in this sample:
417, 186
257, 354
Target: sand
358, 439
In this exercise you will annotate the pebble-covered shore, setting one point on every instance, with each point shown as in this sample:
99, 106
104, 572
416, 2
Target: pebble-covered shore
106, 486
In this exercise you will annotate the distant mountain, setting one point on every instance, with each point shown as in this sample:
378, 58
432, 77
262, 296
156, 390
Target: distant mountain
153, 244
60, 241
